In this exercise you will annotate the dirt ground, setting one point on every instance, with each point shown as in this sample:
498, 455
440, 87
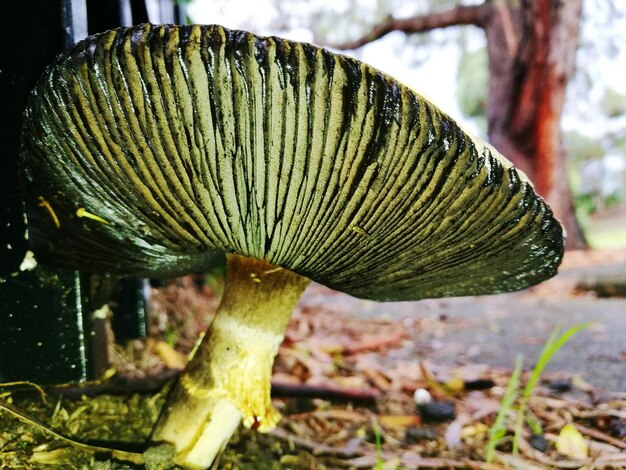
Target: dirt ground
345, 377
446, 346
493, 330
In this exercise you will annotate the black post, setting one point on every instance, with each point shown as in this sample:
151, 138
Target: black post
47, 330
44, 328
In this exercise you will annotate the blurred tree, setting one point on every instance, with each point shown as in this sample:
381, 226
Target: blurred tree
531, 46
613, 103
472, 79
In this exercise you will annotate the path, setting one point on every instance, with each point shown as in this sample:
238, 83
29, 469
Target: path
495, 329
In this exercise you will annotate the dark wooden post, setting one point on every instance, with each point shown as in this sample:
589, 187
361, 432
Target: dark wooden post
47, 333
44, 333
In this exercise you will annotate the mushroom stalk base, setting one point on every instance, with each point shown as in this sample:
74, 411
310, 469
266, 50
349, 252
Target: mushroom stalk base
228, 379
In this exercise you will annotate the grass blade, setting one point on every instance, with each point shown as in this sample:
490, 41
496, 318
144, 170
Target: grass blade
498, 429
554, 343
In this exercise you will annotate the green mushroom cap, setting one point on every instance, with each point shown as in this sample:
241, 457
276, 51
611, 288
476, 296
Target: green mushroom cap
147, 149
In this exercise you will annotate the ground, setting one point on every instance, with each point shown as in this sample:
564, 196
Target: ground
346, 374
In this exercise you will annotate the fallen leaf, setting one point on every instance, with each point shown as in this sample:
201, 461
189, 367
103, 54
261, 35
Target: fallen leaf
571, 443
378, 379
474, 430
170, 357
455, 385
398, 421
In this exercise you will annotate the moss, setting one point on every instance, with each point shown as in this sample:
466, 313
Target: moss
122, 422
105, 421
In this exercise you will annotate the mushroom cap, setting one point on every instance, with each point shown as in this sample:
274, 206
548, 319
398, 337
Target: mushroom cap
147, 149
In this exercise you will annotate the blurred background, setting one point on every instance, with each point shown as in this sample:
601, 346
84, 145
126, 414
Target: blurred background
542, 81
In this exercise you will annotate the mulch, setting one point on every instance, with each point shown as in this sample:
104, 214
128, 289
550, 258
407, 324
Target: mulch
346, 385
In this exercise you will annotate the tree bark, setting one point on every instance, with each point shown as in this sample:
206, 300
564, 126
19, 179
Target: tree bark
531, 46
528, 81
460, 15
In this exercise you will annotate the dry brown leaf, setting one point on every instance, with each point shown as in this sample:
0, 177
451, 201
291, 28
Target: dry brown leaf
170, 357
398, 421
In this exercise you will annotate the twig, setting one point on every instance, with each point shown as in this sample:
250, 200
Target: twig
374, 344
611, 461
120, 385
460, 15
314, 447
25, 383
326, 392
133, 457
416, 461
117, 385
515, 461
594, 433
334, 414
616, 409
378, 379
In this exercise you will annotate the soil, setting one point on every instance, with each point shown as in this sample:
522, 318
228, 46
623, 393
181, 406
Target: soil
347, 372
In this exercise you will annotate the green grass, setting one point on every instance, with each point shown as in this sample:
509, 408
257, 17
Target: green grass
497, 432
608, 231
379, 446
605, 237
378, 442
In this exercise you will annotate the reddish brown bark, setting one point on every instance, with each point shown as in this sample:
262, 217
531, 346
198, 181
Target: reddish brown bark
531, 46
531, 78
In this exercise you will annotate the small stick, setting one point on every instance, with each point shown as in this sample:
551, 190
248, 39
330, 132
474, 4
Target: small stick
118, 385
314, 447
375, 343
325, 392
594, 433
121, 385
133, 457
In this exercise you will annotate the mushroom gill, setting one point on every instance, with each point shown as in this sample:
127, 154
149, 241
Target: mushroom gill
147, 149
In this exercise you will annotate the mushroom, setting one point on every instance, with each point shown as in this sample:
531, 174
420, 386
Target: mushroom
147, 149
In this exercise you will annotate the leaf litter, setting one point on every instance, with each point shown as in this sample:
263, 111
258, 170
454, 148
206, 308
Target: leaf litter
345, 385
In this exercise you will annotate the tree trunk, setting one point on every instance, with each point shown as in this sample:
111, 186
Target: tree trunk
531, 46
528, 81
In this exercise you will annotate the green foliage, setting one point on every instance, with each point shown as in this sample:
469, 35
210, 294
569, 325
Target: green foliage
554, 343
589, 185
582, 148
379, 447
613, 103
498, 431
472, 76
586, 204
472, 81
613, 200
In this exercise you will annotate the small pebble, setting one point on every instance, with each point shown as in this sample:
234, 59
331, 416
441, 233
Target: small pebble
415, 434
614, 426
479, 384
538, 442
437, 411
422, 396
560, 385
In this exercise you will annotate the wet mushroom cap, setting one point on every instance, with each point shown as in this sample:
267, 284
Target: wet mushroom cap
147, 149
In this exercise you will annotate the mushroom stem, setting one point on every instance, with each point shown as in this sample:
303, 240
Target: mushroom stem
228, 379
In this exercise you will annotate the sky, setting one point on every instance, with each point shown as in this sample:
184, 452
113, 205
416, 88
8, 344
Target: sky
435, 78
434, 75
